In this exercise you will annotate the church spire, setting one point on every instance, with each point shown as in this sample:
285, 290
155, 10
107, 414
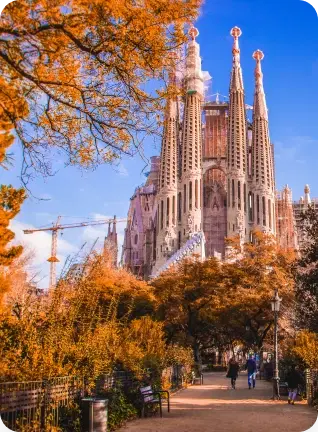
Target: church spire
262, 158
262, 169
236, 76
260, 108
189, 204
168, 159
168, 179
237, 148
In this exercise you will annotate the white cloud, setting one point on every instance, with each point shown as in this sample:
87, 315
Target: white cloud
39, 243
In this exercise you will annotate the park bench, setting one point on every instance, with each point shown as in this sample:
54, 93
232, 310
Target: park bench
152, 397
196, 379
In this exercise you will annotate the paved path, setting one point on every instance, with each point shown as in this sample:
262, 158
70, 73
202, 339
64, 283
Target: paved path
216, 407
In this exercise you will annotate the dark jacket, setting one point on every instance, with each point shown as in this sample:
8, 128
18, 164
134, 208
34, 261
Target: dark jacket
233, 370
293, 379
250, 366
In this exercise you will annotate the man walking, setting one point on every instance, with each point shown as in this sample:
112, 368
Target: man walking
251, 371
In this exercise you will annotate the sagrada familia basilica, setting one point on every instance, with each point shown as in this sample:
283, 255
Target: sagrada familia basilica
215, 176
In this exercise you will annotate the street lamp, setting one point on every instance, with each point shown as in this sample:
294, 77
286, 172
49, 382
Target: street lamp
275, 308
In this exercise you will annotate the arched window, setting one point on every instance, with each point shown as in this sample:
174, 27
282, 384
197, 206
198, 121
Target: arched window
168, 211
196, 193
190, 195
233, 194
179, 207
161, 215
136, 239
239, 194
250, 207
264, 210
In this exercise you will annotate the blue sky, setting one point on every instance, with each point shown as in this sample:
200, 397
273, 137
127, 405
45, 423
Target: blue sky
286, 30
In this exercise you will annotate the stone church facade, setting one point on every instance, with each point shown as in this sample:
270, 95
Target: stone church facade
215, 175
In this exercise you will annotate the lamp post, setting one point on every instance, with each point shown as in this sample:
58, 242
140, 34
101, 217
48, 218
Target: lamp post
275, 308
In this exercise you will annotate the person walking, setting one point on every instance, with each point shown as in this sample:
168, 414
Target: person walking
250, 366
233, 371
293, 379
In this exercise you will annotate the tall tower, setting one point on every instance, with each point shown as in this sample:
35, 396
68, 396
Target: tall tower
237, 149
167, 236
262, 161
189, 194
307, 199
111, 243
286, 232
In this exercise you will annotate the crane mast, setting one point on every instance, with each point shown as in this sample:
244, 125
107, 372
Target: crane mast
55, 229
53, 258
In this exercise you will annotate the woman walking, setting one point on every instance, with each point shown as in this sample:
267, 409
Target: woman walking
233, 371
294, 379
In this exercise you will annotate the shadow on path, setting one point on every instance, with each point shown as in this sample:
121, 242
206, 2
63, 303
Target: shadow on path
215, 407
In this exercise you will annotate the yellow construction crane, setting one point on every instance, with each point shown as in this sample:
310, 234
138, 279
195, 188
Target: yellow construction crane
57, 227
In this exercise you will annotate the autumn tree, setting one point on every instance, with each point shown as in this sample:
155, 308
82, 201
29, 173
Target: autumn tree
77, 76
85, 329
249, 282
306, 273
213, 304
10, 203
188, 295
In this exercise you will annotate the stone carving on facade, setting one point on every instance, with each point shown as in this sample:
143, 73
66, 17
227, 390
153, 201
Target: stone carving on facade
168, 247
240, 221
215, 187
215, 204
190, 227
240, 226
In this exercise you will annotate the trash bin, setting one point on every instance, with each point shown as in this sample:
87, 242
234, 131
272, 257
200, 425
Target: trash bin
94, 415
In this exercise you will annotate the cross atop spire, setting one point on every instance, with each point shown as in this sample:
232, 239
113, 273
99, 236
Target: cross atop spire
258, 56
236, 76
236, 32
193, 32
259, 99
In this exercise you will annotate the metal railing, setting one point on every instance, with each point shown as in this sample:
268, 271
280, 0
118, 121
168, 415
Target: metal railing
36, 405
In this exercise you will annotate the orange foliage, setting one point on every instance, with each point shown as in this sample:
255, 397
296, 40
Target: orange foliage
80, 69
84, 328
10, 203
209, 303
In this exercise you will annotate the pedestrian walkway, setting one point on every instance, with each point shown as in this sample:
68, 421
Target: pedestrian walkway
216, 407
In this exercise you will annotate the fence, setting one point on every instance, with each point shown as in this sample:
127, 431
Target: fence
37, 406
175, 376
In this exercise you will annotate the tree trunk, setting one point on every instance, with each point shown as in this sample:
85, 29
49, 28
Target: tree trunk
197, 356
